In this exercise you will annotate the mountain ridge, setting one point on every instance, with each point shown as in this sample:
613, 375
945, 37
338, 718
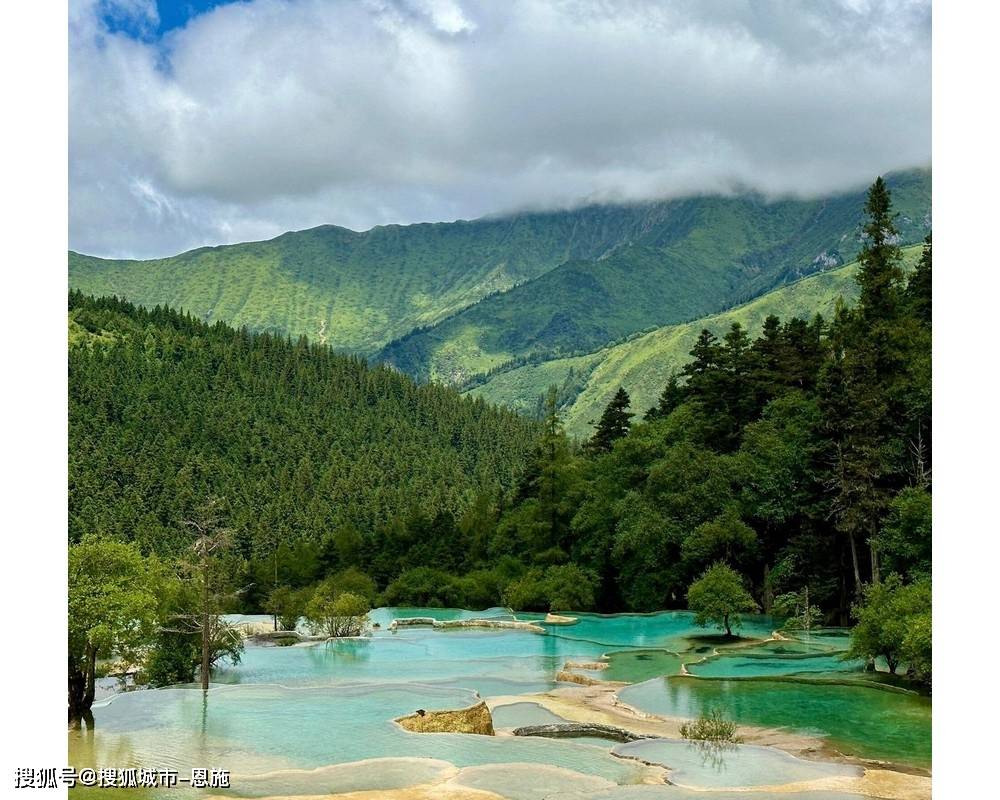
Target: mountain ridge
448, 300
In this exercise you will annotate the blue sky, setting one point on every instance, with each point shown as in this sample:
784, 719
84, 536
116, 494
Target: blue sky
172, 14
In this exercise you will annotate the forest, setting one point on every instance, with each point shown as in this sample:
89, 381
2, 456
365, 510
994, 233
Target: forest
788, 474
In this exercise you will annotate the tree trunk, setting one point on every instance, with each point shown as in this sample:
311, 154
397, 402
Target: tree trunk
874, 556
206, 633
725, 620
767, 591
205, 651
90, 688
77, 685
854, 564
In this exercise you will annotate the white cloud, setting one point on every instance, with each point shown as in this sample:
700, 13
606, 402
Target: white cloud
268, 115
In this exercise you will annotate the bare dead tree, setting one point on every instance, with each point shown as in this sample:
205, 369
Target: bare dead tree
204, 570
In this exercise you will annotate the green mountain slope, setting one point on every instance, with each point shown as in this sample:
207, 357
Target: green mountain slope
696, 256
165, 410
643, 364
356, 291
624, 268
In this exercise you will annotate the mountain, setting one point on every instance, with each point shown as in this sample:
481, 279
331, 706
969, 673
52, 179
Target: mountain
357, 291
166, 410
643, 363
446, 301
693, 257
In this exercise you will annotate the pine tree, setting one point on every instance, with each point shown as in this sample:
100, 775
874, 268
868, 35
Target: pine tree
614, 424
881, 273
918, 290
671, 397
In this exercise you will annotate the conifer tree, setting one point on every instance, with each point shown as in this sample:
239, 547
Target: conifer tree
918, 290
880, 258
671, 397
614, 424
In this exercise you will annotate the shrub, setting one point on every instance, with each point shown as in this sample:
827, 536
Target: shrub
337, 613
711, 727
894, 623
564, 587
289, 605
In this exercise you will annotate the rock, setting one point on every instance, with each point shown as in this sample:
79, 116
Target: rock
474, 719
467, 623
572, 677
559, 619
596, 665
506, 624
407, 621
274, 637
573, 729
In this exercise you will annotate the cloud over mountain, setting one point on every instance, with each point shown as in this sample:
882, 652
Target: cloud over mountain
256, 117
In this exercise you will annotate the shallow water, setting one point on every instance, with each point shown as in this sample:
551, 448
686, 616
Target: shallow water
298, 720
699, 765
856, 719
517, 715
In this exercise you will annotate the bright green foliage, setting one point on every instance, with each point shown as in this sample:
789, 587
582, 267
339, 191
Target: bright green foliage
682, 259
288, 606
894, 623
113, 610
718, 598
356, 582
336, 613
904, 543
565, 587
725, 538
356, 291
434, 588
173, 658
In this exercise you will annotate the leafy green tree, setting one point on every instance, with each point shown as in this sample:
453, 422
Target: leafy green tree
336, 613
355, 581
288, 605
173, 658
894, 624
904, 541
718, 598
113, 611
614, 424
569, 588
725, 538
564, 587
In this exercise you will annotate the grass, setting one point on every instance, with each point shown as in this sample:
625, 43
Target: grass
643, 364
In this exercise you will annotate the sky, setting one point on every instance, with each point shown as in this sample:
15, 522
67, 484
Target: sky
211, 122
